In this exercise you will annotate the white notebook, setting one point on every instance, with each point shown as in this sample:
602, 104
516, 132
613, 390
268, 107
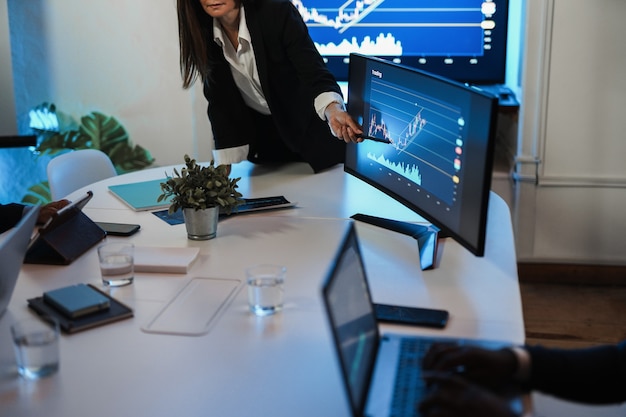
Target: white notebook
164, 259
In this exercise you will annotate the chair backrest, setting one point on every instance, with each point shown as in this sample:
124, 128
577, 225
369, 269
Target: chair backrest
73, 170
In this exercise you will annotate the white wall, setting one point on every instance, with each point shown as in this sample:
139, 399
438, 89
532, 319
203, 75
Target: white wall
574, 96
8, 125
118, 57
587, 93
575, 92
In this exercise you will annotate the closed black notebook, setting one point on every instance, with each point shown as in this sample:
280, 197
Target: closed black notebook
116, 311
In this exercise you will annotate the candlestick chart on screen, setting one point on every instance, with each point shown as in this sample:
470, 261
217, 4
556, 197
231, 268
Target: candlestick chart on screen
426, 134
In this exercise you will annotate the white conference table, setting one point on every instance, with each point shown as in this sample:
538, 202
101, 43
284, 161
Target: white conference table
281, 365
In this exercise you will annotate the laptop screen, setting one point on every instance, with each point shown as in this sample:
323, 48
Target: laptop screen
352, 318
12, 250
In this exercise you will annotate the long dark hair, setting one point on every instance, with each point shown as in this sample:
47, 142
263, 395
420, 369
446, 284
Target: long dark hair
194, 35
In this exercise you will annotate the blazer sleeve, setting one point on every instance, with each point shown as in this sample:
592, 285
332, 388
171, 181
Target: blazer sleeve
10, 214
227, 112
594, 375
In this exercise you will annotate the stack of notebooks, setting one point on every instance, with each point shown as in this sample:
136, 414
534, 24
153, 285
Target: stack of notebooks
80, 307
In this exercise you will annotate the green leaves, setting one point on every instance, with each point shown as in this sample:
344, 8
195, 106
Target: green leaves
58, 133
105, 132
96, 130
200, 187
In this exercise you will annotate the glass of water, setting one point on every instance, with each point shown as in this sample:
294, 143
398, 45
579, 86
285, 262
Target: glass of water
36, 344
116, 263
265, 288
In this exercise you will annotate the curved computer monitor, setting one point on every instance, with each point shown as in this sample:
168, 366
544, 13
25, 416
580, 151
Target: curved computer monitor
439, 162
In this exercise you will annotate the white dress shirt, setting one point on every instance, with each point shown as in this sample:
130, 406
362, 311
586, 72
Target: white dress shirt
242, 64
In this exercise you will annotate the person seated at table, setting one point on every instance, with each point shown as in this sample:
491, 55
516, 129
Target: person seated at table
271, 98
463, 379
11, 213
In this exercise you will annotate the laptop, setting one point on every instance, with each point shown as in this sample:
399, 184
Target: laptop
381, 373
12, 250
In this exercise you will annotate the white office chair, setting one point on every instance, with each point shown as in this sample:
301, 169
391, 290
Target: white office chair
72, 170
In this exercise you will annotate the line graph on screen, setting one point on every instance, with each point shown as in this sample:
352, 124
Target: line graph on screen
426, 138
398, 27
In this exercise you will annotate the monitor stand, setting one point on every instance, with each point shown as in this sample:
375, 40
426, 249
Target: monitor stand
426, 236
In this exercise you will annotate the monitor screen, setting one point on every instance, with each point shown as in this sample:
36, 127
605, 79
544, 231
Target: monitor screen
460, 39
442, 133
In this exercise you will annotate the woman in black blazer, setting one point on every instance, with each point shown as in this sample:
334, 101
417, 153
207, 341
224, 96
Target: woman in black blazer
466, 378
271, 98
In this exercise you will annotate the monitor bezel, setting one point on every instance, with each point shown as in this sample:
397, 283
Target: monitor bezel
478, 206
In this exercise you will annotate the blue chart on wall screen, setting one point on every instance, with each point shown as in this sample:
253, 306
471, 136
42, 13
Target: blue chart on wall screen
461, 39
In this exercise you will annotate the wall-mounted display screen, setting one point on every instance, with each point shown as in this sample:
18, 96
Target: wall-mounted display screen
461, 39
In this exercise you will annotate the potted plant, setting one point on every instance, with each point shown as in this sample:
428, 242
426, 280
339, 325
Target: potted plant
200, 191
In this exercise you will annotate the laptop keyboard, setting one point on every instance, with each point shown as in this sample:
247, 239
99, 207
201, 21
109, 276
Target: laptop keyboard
409, 386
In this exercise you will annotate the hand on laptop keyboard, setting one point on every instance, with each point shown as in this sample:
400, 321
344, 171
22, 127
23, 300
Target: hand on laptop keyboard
491, 368
465, 380
453, 396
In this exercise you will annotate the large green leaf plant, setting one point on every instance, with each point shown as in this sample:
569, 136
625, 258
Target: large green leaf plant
57, 133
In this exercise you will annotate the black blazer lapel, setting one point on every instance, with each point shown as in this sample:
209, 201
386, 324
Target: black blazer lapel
256, 32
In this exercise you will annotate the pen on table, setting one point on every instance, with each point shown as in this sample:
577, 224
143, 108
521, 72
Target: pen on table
375, 139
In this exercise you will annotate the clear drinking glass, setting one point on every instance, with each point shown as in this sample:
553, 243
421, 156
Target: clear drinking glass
265, 288
36, 343
116, 263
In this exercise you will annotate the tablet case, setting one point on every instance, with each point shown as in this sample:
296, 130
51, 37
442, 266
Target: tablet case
66, 242
117, 311
249, 205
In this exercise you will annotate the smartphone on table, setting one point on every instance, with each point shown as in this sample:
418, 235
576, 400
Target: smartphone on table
119, 229
416, 316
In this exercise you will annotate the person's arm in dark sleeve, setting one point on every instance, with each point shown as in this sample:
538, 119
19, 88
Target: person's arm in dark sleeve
595, 375
227, 112
10, 214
